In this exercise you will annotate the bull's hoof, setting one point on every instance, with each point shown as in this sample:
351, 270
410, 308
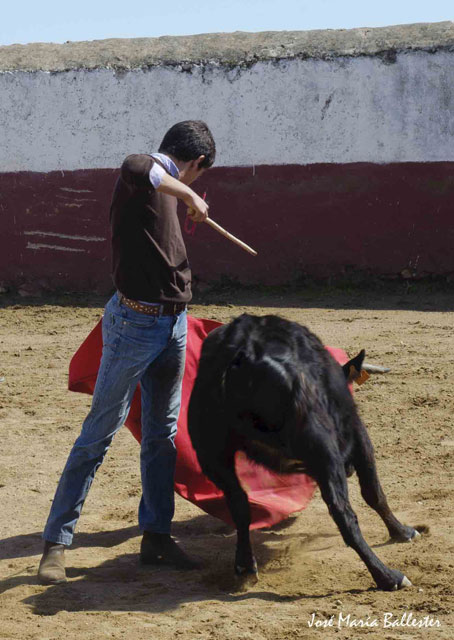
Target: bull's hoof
246, 577
405, 582
247, 571
407, 535
393, 580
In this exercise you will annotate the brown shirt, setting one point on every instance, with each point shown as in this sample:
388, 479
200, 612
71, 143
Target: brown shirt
149, 260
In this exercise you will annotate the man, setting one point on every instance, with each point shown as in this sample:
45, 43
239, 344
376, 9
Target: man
144, 340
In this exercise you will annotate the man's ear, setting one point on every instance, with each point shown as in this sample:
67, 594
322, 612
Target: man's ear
199, 161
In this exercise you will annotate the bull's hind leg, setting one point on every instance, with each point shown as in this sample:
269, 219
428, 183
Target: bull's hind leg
224, 476
334, 491
371, 490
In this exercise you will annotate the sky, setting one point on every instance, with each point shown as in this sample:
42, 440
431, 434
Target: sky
59, 21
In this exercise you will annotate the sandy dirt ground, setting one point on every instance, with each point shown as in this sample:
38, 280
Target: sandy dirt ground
305, 568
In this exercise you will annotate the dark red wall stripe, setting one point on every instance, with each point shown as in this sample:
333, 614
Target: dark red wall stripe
319, 219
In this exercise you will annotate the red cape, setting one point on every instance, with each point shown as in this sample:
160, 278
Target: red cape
272, 497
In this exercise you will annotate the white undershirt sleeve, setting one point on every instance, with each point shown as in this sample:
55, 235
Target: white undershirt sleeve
156, 175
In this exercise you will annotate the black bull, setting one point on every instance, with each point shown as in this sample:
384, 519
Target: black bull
268, 387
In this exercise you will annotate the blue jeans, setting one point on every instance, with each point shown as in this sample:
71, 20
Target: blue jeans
136, 348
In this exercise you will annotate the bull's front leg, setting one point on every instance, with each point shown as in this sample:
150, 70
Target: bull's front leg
372, 491
245, 562
334, 491
224, 476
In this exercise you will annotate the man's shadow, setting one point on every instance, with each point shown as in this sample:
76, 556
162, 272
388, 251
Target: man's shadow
31, 544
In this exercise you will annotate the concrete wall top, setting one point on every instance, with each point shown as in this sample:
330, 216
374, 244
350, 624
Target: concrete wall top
231, 49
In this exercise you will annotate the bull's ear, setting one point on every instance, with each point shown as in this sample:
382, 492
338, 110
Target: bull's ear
352, 368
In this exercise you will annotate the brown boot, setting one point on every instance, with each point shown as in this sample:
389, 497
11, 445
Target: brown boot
52, 566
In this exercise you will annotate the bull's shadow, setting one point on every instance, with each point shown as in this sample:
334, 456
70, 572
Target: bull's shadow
122, 584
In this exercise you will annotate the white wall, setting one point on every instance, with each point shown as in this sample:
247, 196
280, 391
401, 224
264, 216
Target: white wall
286, 112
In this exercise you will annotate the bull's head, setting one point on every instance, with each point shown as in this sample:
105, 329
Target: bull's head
353, 370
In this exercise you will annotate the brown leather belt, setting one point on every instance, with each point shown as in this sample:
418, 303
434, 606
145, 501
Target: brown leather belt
164, 309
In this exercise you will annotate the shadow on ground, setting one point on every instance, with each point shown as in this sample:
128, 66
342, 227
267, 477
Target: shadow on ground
122, 584
423, 295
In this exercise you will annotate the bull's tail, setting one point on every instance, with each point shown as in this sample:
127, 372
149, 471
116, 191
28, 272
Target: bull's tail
271, 457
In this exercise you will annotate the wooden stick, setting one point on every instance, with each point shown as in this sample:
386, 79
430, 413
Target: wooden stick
217, 227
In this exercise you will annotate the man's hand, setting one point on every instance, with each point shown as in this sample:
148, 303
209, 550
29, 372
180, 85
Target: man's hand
197, 207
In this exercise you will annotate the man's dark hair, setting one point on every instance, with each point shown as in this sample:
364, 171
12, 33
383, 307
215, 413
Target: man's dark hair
188, 140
